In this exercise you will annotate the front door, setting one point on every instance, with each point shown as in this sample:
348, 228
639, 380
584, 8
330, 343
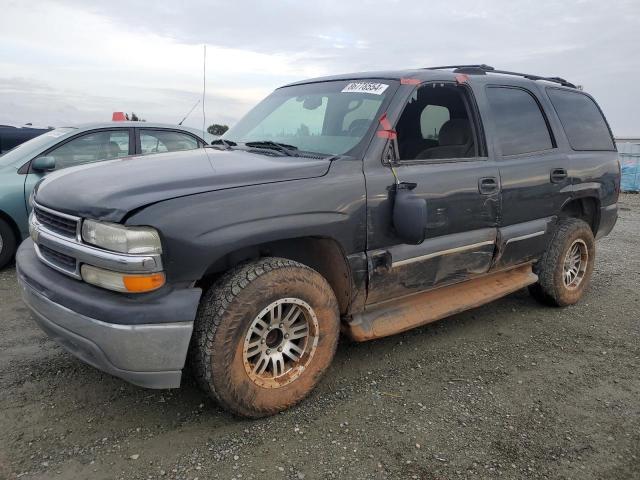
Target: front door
441, 148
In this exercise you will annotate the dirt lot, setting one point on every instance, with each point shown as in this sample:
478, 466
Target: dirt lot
511, 390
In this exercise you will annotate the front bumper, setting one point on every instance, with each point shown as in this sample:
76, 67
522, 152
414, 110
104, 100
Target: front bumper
150, 354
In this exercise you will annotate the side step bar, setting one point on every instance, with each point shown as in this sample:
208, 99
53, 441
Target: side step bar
400, 315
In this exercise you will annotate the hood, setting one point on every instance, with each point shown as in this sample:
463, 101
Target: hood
109, 190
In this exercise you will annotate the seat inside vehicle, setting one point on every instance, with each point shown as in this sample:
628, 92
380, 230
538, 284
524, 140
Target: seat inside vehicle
435, 125
454, 141
112, 150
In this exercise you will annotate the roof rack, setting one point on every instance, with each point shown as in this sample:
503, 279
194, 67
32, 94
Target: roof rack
483, 69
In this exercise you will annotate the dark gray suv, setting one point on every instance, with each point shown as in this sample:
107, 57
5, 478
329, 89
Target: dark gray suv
369, 203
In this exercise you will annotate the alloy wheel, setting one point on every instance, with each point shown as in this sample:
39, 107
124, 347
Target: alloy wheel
575, 264
280, 342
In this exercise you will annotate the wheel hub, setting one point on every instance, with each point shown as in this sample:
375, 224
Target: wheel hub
274, 338
280, 342
575, 264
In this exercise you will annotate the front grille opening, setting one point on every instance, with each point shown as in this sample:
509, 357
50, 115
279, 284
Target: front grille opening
59, 259
56, 223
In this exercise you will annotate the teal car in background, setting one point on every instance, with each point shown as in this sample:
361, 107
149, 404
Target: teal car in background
22, 167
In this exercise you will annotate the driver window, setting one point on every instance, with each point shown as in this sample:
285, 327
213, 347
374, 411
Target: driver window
93, 147
435, 124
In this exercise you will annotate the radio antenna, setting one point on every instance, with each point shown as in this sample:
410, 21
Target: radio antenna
204, 89
189, 112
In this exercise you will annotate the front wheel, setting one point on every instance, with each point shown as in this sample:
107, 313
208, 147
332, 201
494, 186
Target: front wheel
264, 335
7, 243
565, 269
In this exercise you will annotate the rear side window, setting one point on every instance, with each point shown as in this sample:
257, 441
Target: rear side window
521, 126
581, 119
159, 141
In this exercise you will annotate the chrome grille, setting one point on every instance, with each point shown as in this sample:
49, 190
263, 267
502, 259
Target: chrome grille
57, 259
63, 225
58, 243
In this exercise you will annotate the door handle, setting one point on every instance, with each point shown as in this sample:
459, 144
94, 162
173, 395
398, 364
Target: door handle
488, 185
558, 175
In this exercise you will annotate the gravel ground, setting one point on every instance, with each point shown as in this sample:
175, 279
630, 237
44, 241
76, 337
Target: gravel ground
512, 389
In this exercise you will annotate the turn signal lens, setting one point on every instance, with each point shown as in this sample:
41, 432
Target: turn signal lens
121, 282
143, 283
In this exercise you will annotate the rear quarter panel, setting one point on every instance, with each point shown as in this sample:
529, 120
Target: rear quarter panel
595, 174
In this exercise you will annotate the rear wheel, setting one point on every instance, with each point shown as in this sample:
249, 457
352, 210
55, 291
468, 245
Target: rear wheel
564, 272
264, 335
7, 243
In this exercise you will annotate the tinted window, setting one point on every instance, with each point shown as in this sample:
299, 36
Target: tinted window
105, 145
521, 127
159, 141
581, 119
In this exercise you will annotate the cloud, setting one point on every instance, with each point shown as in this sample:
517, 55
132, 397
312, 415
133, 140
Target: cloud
97, 54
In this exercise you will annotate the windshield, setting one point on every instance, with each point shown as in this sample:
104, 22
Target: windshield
326, 117
25, 151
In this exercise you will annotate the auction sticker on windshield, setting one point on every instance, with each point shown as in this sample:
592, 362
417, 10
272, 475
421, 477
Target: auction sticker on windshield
365, 87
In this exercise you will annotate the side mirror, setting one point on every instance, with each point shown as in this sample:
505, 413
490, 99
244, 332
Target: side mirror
409, 214
43, 164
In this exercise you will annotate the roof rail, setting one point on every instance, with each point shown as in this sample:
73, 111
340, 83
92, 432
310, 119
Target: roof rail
483, 69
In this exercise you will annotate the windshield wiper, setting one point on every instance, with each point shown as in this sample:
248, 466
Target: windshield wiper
281, 147
227, 143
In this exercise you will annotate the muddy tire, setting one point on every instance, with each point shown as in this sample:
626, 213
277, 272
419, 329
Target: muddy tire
264, 335
564, 272
7, 244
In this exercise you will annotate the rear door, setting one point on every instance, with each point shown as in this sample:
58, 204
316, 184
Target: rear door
533, 171
593, 159
442, 150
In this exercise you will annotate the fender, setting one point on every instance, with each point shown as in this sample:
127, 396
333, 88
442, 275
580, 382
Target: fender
199, 230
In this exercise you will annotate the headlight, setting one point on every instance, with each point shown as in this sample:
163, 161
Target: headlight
121, 282
33, 231
119, 238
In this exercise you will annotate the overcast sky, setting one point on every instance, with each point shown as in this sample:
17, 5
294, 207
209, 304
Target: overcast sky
71, 61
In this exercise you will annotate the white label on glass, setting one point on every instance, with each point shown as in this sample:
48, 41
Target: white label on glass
365, 87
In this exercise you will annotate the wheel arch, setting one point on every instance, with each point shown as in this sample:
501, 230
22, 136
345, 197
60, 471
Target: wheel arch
323, 254
585, 208
13, 225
